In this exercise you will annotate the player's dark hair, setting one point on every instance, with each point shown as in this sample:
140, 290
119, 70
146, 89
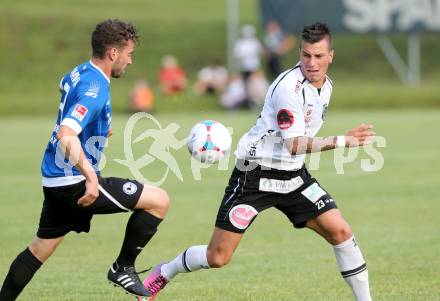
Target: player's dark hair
315, 33
112, 33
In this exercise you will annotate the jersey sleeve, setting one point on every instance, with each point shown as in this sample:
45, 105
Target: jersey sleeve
288, 110
89, 102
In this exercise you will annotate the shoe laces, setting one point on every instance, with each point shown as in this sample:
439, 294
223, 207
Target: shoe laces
157, 284
132, 270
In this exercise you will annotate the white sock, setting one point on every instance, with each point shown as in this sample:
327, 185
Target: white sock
192, 259
352, 266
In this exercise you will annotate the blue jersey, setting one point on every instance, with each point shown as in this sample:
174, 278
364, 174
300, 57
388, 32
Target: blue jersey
85, 107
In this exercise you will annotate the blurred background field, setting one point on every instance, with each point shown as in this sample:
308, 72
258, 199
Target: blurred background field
42, 40
394, 212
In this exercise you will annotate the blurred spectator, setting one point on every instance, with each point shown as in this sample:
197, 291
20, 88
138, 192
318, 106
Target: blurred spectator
141, 97
172, 78
256, 89
211, 79
247, 51
234, 95
277, 43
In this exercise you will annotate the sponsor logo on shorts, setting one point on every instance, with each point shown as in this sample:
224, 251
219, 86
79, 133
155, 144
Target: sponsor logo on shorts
280, 186
129, 188
79, 112
241, 215
313, 192
322, 203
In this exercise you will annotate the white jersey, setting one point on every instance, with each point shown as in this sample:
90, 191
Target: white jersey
292, 108
247, 52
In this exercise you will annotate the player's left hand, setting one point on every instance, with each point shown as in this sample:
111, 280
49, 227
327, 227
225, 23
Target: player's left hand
91, 194
360, 135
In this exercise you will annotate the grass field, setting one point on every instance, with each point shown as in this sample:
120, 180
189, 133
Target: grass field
394, 213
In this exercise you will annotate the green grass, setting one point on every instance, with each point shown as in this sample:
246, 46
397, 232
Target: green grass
43, 40
394, 213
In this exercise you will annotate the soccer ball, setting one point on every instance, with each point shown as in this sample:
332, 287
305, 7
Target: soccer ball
209, 141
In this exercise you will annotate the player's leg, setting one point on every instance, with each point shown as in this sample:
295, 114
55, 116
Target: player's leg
60, 215
314, 208
43, 248
332, 226
234, 216
148, 213
149, 205
215, 255
25, 265
221, 247
154, 200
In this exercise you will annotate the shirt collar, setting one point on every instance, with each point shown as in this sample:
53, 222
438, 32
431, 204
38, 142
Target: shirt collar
100, 70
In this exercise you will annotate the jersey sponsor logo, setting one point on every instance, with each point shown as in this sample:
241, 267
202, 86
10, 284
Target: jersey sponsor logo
93, 90
308, 115
253, 151
313, 192
241, 216
324, 110
75, 77
129, 188
79, 112
280, 186
285, 119
297, 87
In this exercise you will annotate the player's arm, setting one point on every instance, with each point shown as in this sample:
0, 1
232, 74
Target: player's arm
71, 146
291, 122
286, 45
78, 117
358, 136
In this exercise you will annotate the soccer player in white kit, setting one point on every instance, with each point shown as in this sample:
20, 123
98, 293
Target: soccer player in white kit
270, 172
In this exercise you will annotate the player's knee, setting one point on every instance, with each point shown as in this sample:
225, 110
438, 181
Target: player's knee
37, 251
42, 250
340, 234
163, 201
217, 259
154, 200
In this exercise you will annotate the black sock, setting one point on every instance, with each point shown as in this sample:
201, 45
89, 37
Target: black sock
20, 273
140, 229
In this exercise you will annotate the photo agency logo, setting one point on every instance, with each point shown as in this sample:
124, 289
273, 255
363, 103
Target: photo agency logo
162, 143
163, 140
277, 154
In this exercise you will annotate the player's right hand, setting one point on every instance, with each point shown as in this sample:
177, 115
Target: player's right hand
91, 194
360, 135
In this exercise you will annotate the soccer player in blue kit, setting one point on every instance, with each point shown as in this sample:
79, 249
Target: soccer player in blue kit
73, 189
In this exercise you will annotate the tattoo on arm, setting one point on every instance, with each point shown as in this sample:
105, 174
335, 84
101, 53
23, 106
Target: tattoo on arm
305, 145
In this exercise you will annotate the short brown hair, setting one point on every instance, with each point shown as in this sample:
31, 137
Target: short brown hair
315, 33
112, 33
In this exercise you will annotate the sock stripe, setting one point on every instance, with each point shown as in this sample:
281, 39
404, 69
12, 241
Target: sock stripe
186, 267
355, 271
